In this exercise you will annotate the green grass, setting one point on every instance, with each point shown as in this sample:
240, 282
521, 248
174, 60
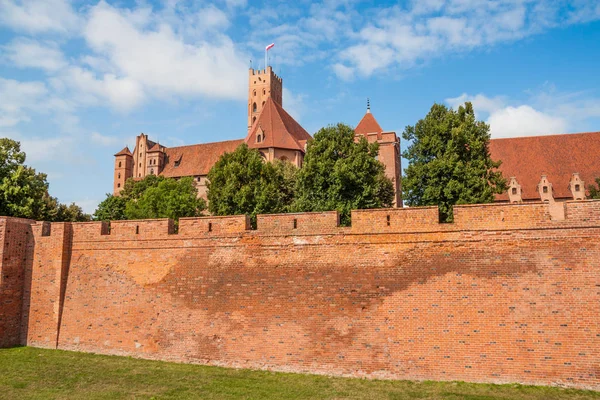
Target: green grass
29, 373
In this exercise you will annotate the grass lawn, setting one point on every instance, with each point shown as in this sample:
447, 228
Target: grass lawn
29, 373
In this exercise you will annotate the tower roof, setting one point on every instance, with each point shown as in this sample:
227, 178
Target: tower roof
124, 152
279, 128
368, 124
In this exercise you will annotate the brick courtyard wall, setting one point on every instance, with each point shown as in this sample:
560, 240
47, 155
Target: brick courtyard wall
503, 294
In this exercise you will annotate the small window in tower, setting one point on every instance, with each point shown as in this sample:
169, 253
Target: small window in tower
264, 91
254, 107
514, 190
253, 119
258, 138
263, 103
139, 175
119, 175
151, 171
545, 189
119, 164
140, 153
140, 165
577, 188
199, 179
118, 185
254, 93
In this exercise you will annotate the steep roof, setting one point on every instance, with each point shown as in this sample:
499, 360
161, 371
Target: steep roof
196, 159
124, 152
279, 128
556, 156
368, 124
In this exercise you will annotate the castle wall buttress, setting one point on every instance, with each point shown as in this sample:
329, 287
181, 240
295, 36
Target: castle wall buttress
16, 241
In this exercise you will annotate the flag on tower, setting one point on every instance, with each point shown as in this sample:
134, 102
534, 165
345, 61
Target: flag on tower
270, 46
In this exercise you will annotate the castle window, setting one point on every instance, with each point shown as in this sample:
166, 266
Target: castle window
514, 190
254, 93
118, 185
254, 107
119, 164
151, 171
258, 138
137, 229
577, 188
253, 119
545, 189
119, 175
140, 153
140, 165
199, 179
139, 175
264, 92
263, 103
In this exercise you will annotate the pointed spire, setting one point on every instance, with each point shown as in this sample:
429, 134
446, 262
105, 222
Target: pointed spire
368, 106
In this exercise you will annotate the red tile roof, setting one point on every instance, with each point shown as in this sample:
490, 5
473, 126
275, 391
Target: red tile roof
368, 124
279, 128
196, 159
556, 156
124, 152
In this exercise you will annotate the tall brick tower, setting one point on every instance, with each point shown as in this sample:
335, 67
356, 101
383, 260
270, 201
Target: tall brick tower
262, 84
123, 169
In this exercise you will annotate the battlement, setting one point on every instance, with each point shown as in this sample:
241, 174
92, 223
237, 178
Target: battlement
268, 71
476, 217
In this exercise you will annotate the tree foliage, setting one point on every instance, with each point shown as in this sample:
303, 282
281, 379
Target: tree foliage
340, 174
242, 183
595, 190
24, 192
152, 197
449, 161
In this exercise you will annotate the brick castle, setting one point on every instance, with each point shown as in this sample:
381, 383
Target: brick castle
548, 168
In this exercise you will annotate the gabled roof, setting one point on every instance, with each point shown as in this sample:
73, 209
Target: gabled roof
279, 128
124, 152
556, 156
156, 147
196, 159
368, 124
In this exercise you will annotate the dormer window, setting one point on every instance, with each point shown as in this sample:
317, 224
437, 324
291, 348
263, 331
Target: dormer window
577, 188
176, 163
514, 190
545, 189
258, 138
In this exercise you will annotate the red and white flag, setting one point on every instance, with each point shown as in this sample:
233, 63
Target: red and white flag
270, 46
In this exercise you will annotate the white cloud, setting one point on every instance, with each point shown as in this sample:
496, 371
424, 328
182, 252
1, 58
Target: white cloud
17, 99
157, 60
344, 72
27, 53
546, 112
36, 16
104, 140
403, 36
524, 121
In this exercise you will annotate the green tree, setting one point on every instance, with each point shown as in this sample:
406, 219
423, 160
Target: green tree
595, 190
23, 191
340, 174
112, 208
242, 183
449, 161
165, 198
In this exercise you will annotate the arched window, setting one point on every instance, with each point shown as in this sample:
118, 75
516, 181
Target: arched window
263, 104
264, 91
253, 119
119, 175
151, 171
119, 164
258, 138
254, 93
118, 185
254, 107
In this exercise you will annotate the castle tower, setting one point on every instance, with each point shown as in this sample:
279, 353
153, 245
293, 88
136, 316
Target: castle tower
123, 169
262, 84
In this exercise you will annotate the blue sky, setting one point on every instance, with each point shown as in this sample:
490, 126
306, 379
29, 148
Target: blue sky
79, 80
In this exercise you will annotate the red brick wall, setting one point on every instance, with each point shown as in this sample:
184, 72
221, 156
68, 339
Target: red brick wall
503, 294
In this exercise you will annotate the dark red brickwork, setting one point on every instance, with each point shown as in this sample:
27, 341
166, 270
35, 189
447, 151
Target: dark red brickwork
503, 294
